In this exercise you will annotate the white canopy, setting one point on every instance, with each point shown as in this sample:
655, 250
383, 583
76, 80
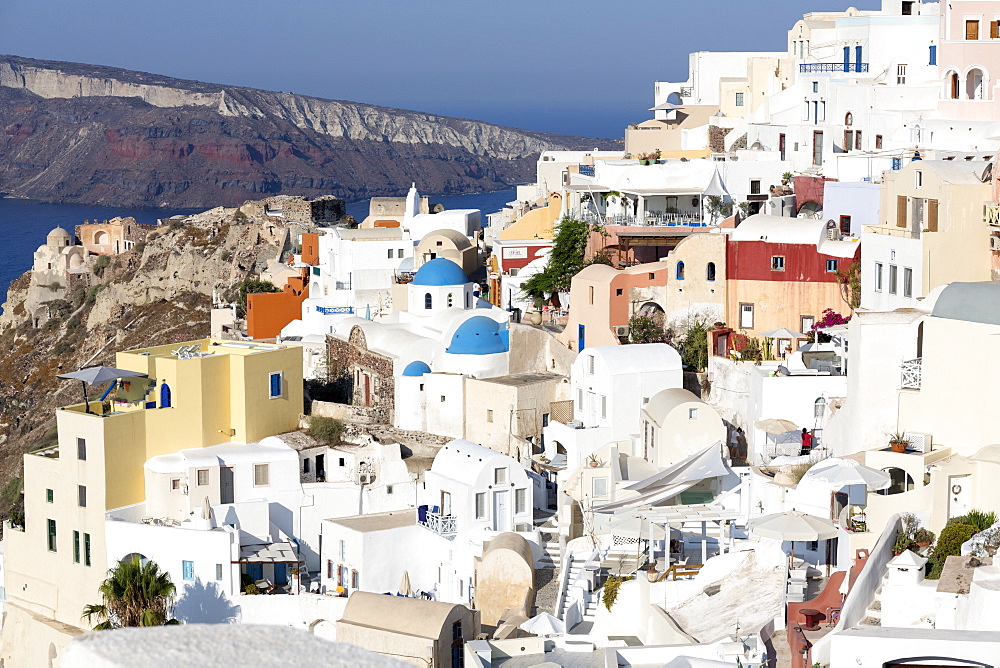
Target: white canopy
544, 624
839, 473
793, 525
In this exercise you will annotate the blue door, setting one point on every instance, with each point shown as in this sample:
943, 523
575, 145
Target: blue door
857, 59
165, 396
281, 574
847, 59
255, 571
581, 339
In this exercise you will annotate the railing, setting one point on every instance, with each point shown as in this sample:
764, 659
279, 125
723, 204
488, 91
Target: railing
586, 170
810, 68
680, 570
991, 214
910, 374
651, 219
443, 525
687, 91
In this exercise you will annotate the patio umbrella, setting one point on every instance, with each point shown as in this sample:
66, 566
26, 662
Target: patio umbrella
404, 585
793, 525
95, 375
843, 472
543, 624
776, 426
782, 333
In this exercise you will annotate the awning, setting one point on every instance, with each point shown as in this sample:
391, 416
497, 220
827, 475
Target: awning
269, 553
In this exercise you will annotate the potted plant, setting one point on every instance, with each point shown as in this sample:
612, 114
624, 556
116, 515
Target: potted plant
898, 441
593, 463
923, 537
786, 178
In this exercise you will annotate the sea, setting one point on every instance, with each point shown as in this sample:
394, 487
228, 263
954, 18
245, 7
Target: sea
25, 223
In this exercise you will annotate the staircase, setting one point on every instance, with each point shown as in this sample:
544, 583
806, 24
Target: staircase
873, 615
551, 551
591, 599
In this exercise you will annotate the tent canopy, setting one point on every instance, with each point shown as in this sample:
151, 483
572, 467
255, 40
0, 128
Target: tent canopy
94, 375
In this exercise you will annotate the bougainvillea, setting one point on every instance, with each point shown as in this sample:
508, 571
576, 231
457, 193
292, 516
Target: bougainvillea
830, 319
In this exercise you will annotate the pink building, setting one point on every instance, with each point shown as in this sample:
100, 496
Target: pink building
969, 59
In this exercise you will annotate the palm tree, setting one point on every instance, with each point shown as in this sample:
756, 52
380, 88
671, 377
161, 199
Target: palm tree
134, 594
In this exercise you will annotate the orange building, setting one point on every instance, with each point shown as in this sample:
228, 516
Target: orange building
269, 312
310, 248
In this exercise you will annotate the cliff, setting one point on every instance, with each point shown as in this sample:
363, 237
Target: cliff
100, 135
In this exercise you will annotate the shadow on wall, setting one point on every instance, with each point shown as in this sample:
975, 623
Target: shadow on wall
205, 603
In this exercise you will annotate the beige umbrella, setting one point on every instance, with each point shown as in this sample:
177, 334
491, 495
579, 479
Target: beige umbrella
206, 510
776, 426
793, 525
404, 585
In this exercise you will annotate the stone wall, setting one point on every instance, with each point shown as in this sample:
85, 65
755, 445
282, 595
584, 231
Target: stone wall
357, 363
717, 138
324, 209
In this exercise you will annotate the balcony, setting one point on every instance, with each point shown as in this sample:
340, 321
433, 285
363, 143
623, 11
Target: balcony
443, 525
991, 214
814, 68
686, 91
910, 374
586, 170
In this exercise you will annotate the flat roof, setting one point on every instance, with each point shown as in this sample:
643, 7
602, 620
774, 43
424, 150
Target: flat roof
205, 347
378, 521
529, 378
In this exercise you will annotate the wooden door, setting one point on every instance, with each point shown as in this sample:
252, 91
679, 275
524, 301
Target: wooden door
972, 30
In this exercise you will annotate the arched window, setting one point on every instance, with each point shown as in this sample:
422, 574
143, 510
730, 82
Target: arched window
901, 481
451, 302
428, 300
849, 119
165, 396
710, 271
680, 271
974, 84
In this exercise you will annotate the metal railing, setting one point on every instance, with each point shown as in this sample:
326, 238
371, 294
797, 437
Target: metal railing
910, 374
686, 91
650, 219
991, 214
586, 170
443, 525
810, 68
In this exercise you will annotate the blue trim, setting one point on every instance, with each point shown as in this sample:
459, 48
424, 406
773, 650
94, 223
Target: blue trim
165, 396
680, 270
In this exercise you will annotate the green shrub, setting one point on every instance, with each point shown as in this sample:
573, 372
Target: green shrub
694, 352
325, 430
611, 587
252, 589
100, 264
949, 545
93, 292
977, 518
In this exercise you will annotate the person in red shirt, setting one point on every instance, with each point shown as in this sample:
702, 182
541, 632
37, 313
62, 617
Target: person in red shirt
807, 441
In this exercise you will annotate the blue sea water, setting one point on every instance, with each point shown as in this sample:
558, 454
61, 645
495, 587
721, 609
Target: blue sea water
25, 223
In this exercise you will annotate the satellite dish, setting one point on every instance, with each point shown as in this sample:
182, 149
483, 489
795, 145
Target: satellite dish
987, 173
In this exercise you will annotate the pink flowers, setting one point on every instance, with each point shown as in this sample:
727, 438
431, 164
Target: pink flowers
830, 319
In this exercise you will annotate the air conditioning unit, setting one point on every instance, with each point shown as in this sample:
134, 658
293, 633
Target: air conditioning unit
621, 331
995, 243
363, 479
575, 424
919, 441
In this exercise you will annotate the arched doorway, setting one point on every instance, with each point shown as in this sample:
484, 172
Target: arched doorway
974, 84
901, 481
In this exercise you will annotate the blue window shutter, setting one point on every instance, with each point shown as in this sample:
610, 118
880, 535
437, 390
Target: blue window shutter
275, 384
933, 55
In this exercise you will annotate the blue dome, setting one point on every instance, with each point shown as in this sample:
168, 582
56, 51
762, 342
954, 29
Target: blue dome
416, 368
440, 271
479, 335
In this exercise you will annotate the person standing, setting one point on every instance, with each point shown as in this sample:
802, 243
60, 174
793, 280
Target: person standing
807, 441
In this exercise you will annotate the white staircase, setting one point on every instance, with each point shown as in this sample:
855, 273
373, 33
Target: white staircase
873, 615
551, 550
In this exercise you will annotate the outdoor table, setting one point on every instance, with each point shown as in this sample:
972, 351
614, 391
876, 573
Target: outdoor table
812, 618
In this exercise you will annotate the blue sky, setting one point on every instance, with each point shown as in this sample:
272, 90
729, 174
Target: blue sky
584, 67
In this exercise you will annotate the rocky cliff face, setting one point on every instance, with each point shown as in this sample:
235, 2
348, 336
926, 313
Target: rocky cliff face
101, 135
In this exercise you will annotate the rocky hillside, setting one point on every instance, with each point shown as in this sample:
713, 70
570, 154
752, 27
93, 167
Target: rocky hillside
100, 135
159, 292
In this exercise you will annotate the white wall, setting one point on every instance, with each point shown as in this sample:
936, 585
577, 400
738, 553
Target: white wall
856, 199
889, 250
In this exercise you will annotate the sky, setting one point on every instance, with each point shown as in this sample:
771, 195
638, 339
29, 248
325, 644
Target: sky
583, 68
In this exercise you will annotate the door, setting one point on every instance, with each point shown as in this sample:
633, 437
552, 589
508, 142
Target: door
501, 517
321, 468
959, 495
781, 145
281, 574
817, 148
591, 409
847, 59
226, 484
581, 341
255, 571
972, 30
445, 503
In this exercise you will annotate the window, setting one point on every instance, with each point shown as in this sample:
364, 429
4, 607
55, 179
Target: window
428, 301
343, 550
218, 571
845, 225
781, 146
692, 414
806, 323
604, 407
520, 500
81, 493
878, 277
442, 398
680, 271
932, 215
907, 8
86, 549
878, 141
202, 477
857, 140
590, 361
746, 316
329, 568
848, 139
892, 279
971, 30
275, 385
175, 483
489, 415
388, 489
341, 462
900, 75
261, 475
590, 292
739, 99
81, 449
901, 210
831, 266
818, 148
652, 275
305, 465
815, 86
451, 300
755, 187
777, 262
932, 55
76, 547
52, 535
390, 253
399, 253
49, 496
188, 568
599, 487
480, 505
355, 580
710, 272
918, 178
619, 292
907, 282
500, 476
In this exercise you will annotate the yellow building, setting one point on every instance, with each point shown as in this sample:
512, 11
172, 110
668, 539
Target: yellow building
196, 394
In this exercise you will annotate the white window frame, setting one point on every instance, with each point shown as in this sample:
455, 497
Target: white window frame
744, 312
500, 475
878, 276
198, 477
266, 468
907, 281
893, 279
281, 385
602, 482
604, 407
739, 99
520, 500
480, 505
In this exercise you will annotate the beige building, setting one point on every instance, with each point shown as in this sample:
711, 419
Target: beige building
449, 244
505, 579
112, 236
695, 289
677, 424
419, 632
667, 135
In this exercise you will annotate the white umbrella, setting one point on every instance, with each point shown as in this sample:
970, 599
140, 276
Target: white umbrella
404, 585
842, 472
776, 426
543, 624
793, 525
782, 333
